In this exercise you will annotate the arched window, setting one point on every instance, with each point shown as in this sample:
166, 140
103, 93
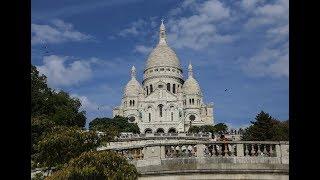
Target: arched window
160, 109
168, 86
148, 130
149, 117
160, 130
133, 103
192, 101
151, 88
130, 103
192, 117
171, 116
174, 88
132, 119
172, 130
147, 90
189, 101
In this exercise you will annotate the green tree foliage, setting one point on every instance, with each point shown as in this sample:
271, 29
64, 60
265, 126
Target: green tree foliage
40, 92
39, 127
58, 107
266, 128
113, 126
221, 128
97, 165
62, 144
194, 129
218, 128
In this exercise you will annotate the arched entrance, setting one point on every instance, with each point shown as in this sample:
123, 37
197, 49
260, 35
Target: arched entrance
160, 130
148, 130
172, 130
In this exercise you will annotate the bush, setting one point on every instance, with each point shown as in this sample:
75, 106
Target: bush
97, 165
38, 176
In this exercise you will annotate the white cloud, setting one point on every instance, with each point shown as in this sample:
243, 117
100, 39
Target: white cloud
198, 30
58, 32
90, 106
268, 62
269, 14
142, 49
249, 4
59, 73
134, 29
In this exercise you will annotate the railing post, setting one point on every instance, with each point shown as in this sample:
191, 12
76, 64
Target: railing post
200, 150
162, 152
240, 151
284, 147
278, 152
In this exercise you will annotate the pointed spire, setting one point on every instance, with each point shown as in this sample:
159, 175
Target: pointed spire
133, 72
190, 72
162, 34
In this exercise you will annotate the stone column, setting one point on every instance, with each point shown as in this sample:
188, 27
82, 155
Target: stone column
200, 150
278, 152
284, 147
162, 152
240, 150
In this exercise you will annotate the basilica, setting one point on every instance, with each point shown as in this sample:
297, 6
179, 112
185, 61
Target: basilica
165, 102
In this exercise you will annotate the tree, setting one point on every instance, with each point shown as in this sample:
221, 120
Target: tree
58, 107
266, 128
194, 129
113, 126
220, 128
39, 126
62, 144
97, 165
40, 92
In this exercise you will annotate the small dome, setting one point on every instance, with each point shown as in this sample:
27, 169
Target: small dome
133, 88
191, 86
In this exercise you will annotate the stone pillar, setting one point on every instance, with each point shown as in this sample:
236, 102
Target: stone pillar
200, 150
240, 150
284, 148
162, 152
278, 152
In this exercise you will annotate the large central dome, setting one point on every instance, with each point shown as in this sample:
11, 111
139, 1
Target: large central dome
162, 55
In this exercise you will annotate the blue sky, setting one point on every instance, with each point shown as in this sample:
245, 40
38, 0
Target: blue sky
88, 47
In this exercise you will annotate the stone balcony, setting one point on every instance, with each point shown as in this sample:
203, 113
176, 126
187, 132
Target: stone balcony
175, 154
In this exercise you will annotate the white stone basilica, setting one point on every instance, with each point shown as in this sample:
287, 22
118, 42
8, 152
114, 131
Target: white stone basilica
164, 102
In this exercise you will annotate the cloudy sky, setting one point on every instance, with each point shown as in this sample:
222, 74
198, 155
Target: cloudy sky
88, 47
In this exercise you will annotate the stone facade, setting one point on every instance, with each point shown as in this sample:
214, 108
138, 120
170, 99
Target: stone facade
165, 102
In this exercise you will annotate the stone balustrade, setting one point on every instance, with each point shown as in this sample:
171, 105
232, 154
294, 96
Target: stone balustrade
273, 152
130, 137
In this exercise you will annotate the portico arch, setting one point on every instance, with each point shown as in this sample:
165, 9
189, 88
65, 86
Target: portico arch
172, 130
148, 130
160, 130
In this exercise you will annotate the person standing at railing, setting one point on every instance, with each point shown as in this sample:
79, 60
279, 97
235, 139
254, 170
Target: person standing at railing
224, 144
